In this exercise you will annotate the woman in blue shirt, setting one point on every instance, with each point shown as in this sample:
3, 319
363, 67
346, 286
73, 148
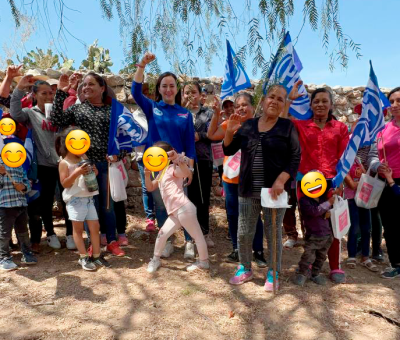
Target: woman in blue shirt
167, 121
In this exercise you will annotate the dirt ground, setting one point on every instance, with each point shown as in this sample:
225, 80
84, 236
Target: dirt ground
58, 300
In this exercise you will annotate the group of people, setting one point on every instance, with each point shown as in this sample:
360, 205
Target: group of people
272, 151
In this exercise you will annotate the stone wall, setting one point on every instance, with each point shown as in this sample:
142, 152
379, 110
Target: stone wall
345, 97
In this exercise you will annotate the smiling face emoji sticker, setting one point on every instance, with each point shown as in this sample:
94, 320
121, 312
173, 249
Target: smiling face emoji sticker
313, 184
155, 159
7, 126
77, 142
13, 155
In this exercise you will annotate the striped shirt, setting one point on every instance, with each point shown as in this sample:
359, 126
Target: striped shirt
258, 167
9, 197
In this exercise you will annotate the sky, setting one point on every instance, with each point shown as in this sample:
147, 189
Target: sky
371, 23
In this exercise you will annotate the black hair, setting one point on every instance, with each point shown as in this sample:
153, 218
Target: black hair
178, 97
396, 89
194, 84
35, 89
324, 90
60, 146
164, 145
247, 95
99, 79
273, 87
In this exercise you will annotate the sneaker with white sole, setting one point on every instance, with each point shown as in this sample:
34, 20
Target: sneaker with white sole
198, 265
189, 250
87, 264
153, 265
7, 264
53, 242
70, 242
168, 250
290, 243
210, 243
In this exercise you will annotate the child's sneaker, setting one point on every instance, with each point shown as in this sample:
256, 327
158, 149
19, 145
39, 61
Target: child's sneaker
54, 242
100, 262
233, 257
7, 264
150, 226
123, 240
198, 265
337, 276
86, 263
189, 250
241, 276
114, 249
391, 274
70, 242
290, 243
168, 250
153, 265
103, 240
29, 258
269, 282
319, 280
299, 280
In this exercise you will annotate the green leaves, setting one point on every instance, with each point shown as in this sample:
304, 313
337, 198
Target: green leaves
98, 59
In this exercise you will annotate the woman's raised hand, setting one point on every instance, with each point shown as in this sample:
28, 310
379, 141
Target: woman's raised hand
147, 58
233, 123
74, 80
294, 94
63, 83
25, 82
217, 106
13, 71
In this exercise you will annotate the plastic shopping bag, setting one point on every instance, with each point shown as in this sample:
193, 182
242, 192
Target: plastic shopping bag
217, 153
268, 202
369, 191
121, 167
340, 217
232, 165
117, 182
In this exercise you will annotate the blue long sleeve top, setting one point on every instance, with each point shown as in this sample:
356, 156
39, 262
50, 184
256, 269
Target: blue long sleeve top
169, 123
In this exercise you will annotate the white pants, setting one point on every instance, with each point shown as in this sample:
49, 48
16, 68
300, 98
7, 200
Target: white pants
186, 217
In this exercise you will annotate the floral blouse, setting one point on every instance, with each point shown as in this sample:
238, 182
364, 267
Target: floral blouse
94, 120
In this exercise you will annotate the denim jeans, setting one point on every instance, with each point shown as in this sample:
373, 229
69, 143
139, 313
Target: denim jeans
147, 197
360, 223
107, 218
249, 213
232, 215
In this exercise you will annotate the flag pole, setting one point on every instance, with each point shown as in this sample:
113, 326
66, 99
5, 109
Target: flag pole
383, 149
274, 248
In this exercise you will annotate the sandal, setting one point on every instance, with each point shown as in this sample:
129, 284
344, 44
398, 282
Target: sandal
351, 263
369, 265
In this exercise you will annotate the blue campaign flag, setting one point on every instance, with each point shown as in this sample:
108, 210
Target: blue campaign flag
371, 122
235, 77
285, 70
126, 130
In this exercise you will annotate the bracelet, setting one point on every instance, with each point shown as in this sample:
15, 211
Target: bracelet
191, 169
140, 66
392, 183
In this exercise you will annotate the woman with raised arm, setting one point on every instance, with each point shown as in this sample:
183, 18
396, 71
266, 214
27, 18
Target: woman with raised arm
168, 121
245, 110
92, 116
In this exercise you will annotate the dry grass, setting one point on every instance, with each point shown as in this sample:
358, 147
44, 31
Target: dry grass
58, 300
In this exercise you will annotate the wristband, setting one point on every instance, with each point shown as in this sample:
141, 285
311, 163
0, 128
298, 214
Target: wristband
391, 184
140, 66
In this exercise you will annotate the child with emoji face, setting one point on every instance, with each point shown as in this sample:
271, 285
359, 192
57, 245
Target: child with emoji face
318, 238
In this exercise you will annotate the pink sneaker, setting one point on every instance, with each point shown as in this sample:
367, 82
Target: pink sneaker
269, 282
241, 276
103, 240
150, 226
123, 240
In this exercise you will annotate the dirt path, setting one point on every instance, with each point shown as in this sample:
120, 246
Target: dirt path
58, 300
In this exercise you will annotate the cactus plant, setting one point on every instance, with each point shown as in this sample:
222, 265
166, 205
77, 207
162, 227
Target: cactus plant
98, 59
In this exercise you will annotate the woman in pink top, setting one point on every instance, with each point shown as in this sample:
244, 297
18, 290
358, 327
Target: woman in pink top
181, 212
388, 143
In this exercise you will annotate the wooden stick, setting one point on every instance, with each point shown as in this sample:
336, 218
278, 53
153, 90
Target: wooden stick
108, 187
274, 247
383, 148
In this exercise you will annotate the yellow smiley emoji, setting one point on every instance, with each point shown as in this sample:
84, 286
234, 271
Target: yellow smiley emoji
7, 126
77, 142
13, 155
313, 184
155, 159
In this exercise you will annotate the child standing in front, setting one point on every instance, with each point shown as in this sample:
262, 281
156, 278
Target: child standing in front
318, 239
13, 213
80, 202
181, 212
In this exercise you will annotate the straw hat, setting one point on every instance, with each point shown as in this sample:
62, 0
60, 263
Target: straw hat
33, 72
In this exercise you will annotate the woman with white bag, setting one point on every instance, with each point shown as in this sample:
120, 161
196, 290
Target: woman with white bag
270, 157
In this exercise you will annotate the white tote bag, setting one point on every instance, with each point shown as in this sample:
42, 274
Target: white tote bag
232, 165
369, 191
117, 182
340, 217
